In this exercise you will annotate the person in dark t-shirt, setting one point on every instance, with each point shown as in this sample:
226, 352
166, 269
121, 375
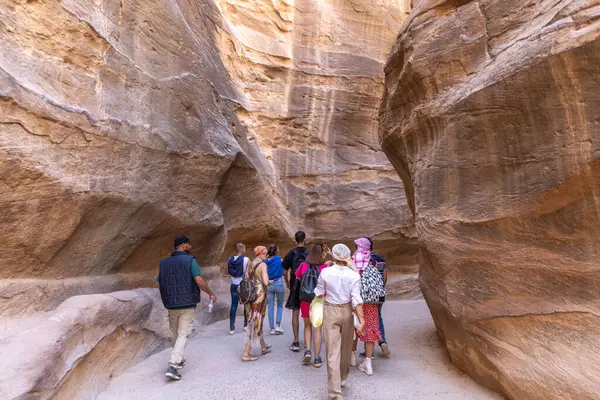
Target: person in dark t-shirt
291, 261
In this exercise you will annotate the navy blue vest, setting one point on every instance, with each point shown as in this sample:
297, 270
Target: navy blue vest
177, 286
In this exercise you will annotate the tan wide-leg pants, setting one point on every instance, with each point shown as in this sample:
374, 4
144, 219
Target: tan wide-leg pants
338, 325
180, 322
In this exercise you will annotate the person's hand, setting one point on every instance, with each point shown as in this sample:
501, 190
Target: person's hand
360, 330
213, 298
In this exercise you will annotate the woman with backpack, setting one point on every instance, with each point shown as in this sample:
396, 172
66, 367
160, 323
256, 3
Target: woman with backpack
370, 287
308, 274
257, 279
276, 289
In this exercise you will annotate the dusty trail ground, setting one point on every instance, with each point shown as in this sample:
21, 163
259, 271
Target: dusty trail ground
419, 368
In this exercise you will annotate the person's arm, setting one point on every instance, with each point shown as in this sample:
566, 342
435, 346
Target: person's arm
361, 318
385, 277
264, 273
287, 267
320, 289
357, 303
202, 284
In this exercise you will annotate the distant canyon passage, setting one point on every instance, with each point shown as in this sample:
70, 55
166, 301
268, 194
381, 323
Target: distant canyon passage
490, 116
125, 123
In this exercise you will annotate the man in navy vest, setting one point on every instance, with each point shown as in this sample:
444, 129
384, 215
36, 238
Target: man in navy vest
180, 283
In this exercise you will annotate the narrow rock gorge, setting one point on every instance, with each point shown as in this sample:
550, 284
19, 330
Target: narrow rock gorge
490, 118
124, 123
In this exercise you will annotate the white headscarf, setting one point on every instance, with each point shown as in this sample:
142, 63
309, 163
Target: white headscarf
341, 252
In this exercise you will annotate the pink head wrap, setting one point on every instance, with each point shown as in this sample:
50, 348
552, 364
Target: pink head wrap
363, 244
363, 254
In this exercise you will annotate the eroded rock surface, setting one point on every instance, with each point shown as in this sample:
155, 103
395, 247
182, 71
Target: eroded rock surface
490, 118
124, 123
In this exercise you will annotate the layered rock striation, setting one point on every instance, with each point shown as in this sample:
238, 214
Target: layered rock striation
489, 116
125, 123
309, 77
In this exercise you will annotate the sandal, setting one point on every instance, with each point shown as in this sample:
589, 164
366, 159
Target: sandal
249, 358
266, 349
307, 357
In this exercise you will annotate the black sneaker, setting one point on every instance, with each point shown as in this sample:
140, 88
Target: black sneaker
173, 374
295, 347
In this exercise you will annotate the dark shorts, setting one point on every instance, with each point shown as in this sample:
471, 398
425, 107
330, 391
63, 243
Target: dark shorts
293, 301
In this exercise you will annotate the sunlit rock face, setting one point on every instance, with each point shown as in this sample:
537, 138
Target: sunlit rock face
125, 123
309, 78
490, 118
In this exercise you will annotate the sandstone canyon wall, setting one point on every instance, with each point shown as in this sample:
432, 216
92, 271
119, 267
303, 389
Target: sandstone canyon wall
124, 123
490, 116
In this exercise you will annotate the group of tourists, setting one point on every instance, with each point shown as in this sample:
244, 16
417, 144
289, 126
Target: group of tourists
351, 287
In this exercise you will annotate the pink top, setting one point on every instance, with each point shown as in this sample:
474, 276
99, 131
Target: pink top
302, 268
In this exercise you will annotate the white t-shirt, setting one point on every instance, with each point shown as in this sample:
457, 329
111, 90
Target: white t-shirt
340, 284
238, 280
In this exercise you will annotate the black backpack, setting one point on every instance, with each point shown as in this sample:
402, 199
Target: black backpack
309, 283
300, 255
235, 268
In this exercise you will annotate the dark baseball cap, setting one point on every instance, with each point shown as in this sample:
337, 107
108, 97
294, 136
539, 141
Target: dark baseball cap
179, 240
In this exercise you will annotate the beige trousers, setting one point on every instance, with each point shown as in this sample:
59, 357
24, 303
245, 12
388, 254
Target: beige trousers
339, 335
180, 322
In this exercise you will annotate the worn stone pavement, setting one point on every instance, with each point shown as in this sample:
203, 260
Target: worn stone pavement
419, 368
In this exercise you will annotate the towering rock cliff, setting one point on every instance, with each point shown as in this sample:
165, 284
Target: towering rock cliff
308, 76
490, 118
124, 123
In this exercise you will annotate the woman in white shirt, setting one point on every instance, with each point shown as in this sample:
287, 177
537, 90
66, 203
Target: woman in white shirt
340, 284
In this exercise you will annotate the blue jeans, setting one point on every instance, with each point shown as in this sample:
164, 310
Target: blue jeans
381, 327
235, 300
276, 289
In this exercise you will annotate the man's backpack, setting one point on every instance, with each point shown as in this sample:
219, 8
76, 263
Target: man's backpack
309, 283
247, 288
235, 267
300, 255
371, 285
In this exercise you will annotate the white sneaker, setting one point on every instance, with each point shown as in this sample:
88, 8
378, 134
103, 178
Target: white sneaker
344, 383
366, 367
273, 332
245, 328
353, 359
279, 330
231, 332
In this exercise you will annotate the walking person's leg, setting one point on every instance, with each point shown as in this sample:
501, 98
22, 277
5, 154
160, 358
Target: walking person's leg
173, 325
296, 325
353, 361
172, 372
234, 307
347, 337
370, 337
185, 318
249, 336
280, 293
318, 341
304, 313
271, 308
383, 342
333, 347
